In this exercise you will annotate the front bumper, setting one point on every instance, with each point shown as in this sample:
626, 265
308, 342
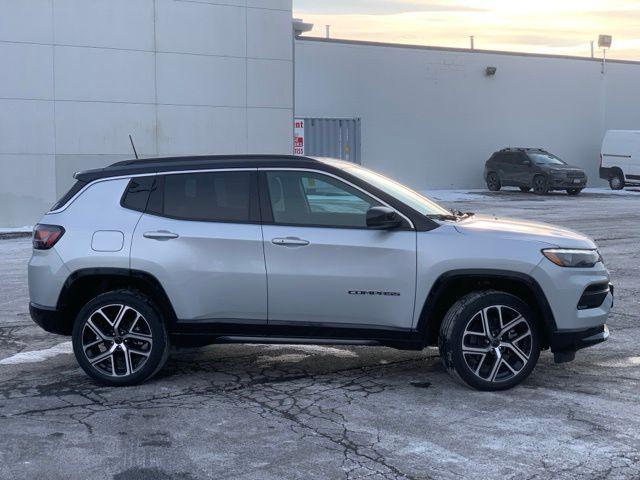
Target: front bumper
565, 344
566, 182
50, 319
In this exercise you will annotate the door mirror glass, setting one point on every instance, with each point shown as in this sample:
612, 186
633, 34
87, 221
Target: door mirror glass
383, 218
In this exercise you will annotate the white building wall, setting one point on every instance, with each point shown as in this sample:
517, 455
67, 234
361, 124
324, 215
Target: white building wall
182, 77
431, 117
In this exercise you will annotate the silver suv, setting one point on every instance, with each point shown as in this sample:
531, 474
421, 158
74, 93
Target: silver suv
146, 254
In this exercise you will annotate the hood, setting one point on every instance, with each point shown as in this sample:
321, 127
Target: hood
564, 168
524, 230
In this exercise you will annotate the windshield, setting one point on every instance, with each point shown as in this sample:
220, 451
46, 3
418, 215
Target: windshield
409, 197
540, 158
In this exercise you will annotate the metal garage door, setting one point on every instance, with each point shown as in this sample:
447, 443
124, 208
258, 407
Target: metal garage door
332, 137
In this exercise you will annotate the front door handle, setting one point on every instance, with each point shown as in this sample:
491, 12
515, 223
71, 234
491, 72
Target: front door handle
160, 235
290, 242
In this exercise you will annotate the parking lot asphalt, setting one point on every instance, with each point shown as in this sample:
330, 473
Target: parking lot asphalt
303, 412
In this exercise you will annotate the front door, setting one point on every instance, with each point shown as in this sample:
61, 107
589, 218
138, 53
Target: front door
325, 268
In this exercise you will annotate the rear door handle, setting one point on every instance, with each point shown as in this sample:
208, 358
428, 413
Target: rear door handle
290, 242
160, 235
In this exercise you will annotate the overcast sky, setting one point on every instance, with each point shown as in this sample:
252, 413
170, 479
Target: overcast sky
542, 26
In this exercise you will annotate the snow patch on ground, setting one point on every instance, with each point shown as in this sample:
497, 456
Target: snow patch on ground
36, 356
315, 349
26, 229
478, 194
285, 358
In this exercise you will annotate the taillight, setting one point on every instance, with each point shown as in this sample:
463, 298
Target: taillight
46, 236
600, 160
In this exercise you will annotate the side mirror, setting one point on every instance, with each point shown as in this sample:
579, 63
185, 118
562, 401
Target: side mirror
383, 218
526, 162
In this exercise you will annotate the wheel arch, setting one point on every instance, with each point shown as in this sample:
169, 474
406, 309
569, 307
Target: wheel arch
451, 286
85, 284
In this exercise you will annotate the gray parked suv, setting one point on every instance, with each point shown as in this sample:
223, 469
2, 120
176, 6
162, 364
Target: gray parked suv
532, 168
146, 254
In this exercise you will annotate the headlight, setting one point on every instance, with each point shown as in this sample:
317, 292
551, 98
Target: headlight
575, 258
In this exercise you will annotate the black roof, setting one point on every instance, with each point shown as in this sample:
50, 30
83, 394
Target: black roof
523, 149
172, 164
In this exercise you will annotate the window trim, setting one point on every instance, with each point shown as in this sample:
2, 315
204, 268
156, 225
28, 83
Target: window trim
267, 213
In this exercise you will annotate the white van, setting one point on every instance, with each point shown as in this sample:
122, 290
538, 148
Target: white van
620, 158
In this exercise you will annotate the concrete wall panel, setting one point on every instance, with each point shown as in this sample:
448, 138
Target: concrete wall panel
269, 34
270, 130
26, 21
201, 80
98, 23
26, 71
104, 128
203, 28
27, 188
26, 127
187, 130
269, 83
95, 74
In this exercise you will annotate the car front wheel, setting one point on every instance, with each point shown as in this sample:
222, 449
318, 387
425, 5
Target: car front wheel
489, 340
119, 338
540, 185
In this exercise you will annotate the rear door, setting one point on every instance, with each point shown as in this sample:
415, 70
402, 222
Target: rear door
510, 168
201, 238
325, 268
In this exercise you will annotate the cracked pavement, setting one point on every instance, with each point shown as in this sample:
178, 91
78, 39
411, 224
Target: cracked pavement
307, 412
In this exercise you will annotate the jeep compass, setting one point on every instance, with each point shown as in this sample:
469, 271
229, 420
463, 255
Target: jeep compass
145, 254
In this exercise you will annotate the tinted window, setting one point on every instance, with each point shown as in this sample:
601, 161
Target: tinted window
306, 198
216, 196
137, 193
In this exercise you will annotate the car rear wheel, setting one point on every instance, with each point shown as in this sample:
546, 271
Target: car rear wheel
493, 182
489, 340
574, 191
525, 189
617, 182
120, 339
540, 185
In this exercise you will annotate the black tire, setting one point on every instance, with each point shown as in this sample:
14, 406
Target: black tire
493, 182
616, 182
146, 353
525, 189
464, 313
574, 191
540, 185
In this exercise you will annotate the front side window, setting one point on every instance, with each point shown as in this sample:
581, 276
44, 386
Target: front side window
313, 199
208, 196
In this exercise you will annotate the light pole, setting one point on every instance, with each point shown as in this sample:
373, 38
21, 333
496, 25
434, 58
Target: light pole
604, 42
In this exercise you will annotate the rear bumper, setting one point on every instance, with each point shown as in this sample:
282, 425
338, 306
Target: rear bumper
50, 319
564, 344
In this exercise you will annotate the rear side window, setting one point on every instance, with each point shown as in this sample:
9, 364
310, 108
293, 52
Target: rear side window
137, 194
208, 196
79, 185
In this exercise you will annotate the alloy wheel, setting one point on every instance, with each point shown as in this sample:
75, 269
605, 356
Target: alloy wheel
117, 340
497, 343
